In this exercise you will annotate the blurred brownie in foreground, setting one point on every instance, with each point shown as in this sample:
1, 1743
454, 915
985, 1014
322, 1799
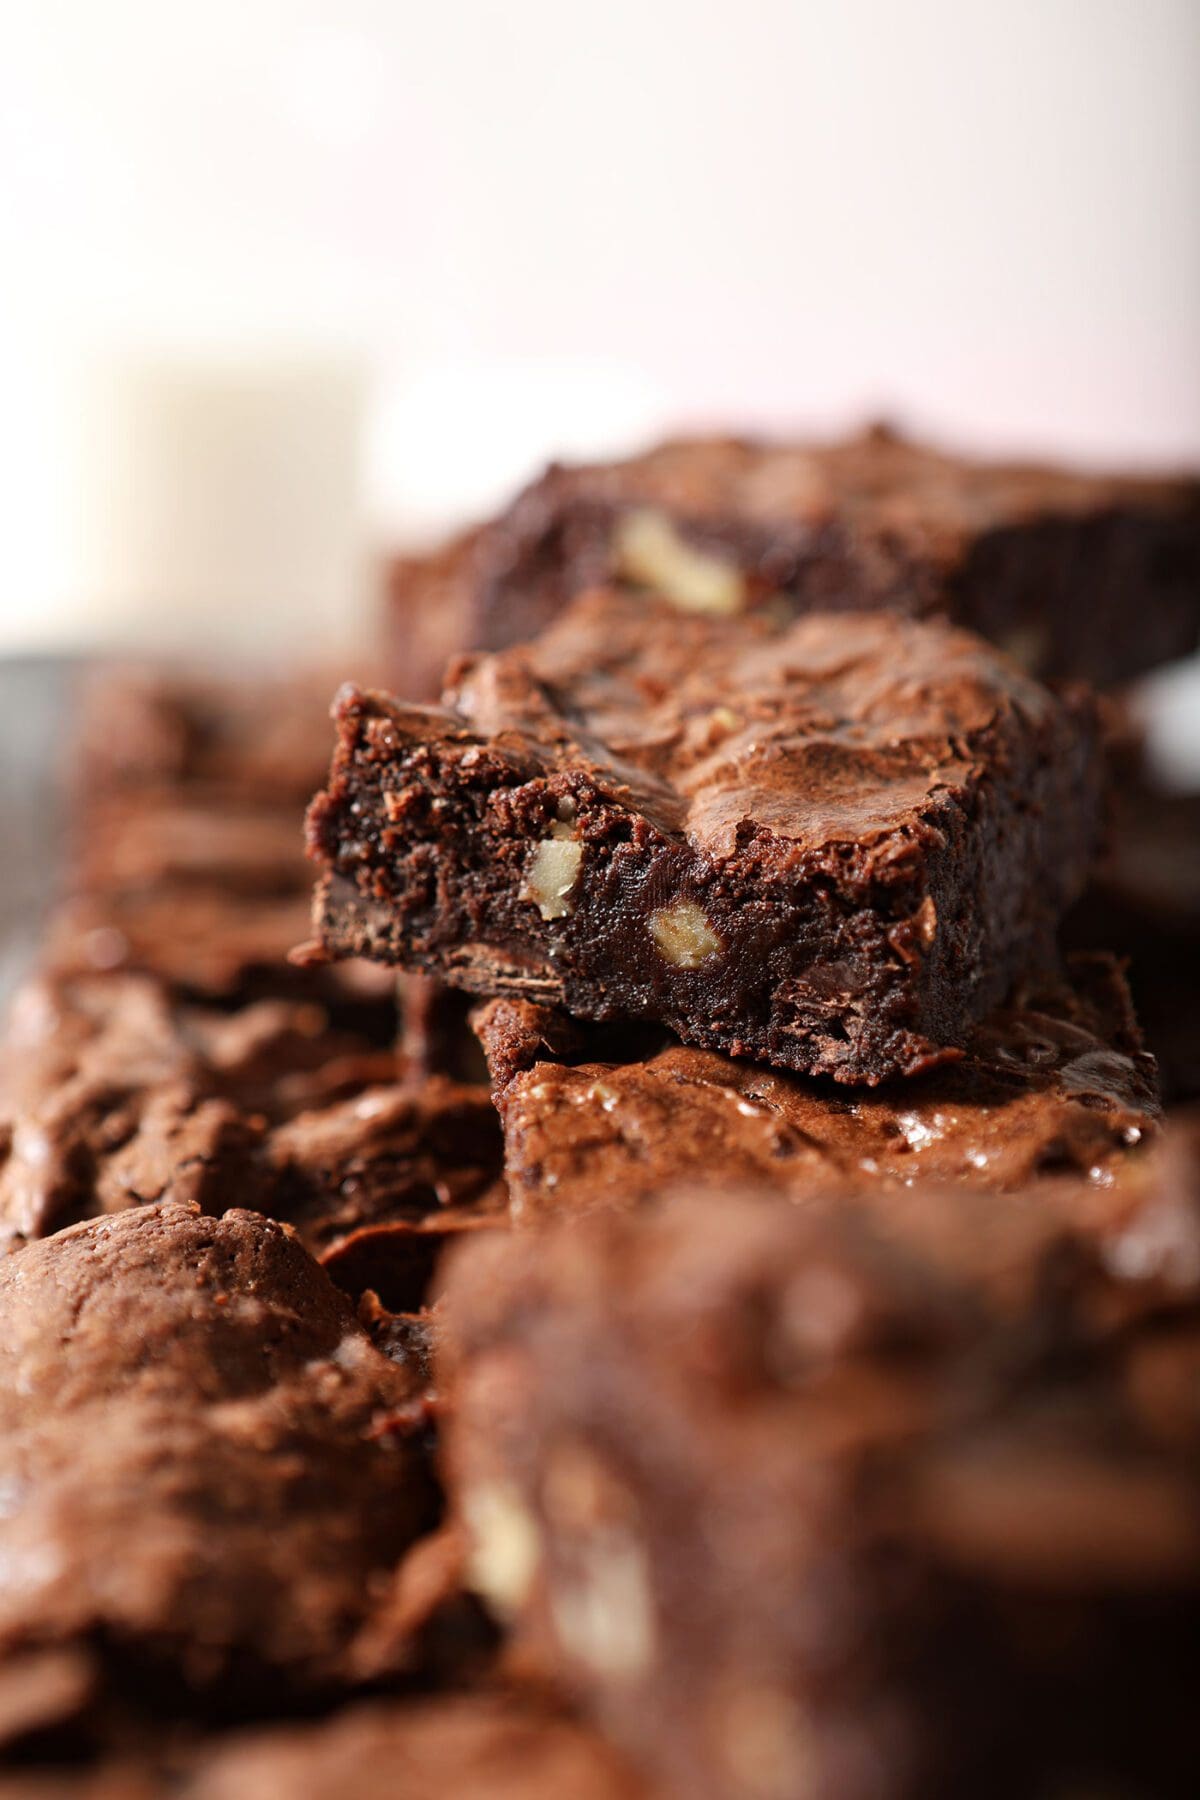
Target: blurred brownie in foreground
831, 846
1053, 1085
895, 1501
212, 1476
1074, 574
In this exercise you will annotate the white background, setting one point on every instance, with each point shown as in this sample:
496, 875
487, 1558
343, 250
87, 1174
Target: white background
545, 226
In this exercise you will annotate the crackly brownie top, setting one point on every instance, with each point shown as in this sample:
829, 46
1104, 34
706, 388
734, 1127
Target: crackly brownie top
106, 1103
877, 478
114, 1093
829, 729
207, 1464
1053, 1083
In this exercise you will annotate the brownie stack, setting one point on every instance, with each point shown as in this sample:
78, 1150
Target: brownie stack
683, 1286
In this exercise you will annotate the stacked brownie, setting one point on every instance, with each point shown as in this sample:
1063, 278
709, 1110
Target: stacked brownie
805, 1402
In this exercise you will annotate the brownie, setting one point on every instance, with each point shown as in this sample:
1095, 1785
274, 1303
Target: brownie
899, 1499
115, 1780
105, 1105
1090, 576
1052, 1085
430, 600
378, 1183
212, 945
146, 730
186, 849
113, 1093
211, 1475
831, 845
132, 844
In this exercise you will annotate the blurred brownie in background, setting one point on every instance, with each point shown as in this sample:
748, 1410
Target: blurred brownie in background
185, 847
144, 728
1075, 574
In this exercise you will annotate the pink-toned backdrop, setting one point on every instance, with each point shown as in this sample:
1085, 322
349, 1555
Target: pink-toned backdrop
536, 226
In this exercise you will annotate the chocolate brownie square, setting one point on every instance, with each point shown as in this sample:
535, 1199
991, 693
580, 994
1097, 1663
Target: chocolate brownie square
146, 730
214, 946
430, 612
830, 845
186, 855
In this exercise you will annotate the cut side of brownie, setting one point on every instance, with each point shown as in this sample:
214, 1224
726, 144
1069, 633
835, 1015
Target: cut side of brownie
1053, 1084
1083, 575
831, 846
887, 1502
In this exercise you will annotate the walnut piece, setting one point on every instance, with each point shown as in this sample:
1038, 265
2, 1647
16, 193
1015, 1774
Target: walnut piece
553, 871
504, 1545
602, 1610
649, 551
683, 935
